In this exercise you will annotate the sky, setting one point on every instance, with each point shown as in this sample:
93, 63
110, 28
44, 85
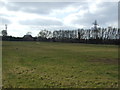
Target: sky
22, 17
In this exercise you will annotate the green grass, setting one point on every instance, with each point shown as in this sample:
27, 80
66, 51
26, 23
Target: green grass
59, 65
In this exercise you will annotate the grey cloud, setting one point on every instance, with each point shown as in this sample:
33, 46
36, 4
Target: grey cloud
108, 14
42, 22
2, 4
37, 7
5, 21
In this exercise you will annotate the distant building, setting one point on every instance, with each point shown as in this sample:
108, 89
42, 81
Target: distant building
28, 38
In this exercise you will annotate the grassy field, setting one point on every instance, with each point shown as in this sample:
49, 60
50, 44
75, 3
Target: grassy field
59, 65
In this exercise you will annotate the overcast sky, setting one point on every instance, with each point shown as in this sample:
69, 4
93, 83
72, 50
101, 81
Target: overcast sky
23, 17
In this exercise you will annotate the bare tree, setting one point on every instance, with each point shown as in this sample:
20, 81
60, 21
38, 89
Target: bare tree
44, 34
81, 33
4, 32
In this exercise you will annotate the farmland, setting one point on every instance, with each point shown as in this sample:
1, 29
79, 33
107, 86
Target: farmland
59, 65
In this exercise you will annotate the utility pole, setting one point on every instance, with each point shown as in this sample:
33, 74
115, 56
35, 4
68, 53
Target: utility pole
95, 25
6, 27
95, 29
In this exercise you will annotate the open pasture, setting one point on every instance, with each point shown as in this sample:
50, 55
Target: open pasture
59, 65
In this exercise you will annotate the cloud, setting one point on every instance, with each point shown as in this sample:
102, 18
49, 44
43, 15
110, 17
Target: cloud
41, 21
106, 13
36, 7
5, 21
21, 16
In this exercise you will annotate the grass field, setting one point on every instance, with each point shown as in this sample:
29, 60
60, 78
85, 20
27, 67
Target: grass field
59, 65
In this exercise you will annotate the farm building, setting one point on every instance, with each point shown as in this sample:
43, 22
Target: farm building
28, 38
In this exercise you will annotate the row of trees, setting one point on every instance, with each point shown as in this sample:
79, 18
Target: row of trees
95, 35
99, 33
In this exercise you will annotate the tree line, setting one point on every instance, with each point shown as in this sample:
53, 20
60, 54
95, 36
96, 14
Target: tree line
100, 33
96, 35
